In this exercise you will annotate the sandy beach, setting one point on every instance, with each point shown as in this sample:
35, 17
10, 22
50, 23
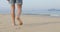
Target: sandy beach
32, 23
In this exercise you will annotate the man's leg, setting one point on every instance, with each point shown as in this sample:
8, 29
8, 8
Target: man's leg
13, 13
19, 6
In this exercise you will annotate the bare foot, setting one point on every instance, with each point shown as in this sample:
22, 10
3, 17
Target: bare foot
13, 24
20, 22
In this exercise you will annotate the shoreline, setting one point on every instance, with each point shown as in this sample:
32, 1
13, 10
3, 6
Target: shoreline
37, 15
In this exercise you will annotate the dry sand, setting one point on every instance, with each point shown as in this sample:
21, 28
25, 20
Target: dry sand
32, 23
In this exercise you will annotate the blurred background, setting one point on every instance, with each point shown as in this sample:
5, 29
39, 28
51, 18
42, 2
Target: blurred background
45, 7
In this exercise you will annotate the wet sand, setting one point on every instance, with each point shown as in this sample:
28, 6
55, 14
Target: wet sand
32, 23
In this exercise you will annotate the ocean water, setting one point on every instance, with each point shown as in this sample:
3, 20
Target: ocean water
35, 12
